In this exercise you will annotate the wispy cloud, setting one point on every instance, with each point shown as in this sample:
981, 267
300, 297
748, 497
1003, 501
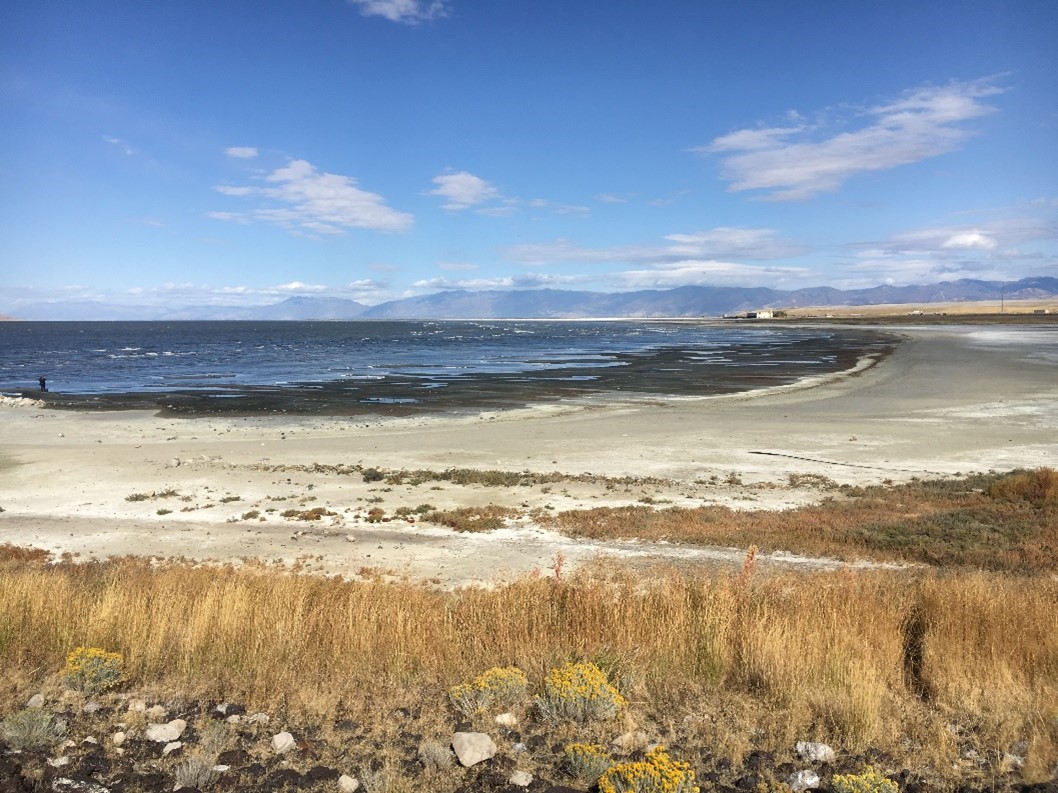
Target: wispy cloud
463, 190
694, 272
408, 12
799, 160
717, 243
310, 202
120, 144
241, 152
522, 281
996, 249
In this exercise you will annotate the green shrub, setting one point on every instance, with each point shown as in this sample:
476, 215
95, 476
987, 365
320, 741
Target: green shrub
495, 688
870, 781
587, 761
91, 669
579, 692
32, 728
656, 773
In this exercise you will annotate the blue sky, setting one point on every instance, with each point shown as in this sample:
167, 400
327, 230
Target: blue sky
243, 152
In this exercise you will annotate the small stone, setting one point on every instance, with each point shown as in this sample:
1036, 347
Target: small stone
520, 779
472, 748
258, 718
164, 733
812, 752
220, 769
347, 784
91, 707
36, 701
508, 720
118, 738
803, 780
58, 762
233, 719
1013, 762
519, 748
90, 739
283, 742
157, 714
629, 742
171, 747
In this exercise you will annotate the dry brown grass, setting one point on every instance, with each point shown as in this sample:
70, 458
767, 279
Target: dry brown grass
991, 522
881, 659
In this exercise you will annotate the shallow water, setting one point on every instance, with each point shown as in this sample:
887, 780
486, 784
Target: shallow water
403, 366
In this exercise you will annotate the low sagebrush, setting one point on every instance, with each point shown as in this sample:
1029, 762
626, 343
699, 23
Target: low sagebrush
32, 728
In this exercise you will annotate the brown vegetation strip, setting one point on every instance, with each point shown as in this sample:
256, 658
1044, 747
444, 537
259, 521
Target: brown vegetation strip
882, 659
990, 522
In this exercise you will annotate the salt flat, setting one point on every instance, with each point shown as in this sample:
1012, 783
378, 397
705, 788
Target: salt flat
949, 400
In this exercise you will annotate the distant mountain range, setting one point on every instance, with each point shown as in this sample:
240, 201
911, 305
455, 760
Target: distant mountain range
684, 301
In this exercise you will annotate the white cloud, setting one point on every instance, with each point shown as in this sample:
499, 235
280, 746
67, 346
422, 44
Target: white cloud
525, 281
720, 242
1002, 248
694, 272
457, 267
298, 286
610, 198
462, 190
408, 12
241, 152
800, 161
120, 144
313, 202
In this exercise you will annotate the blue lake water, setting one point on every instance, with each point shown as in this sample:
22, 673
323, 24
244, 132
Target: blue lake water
412, 362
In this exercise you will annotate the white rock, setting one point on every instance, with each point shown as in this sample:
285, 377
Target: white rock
519, 748
118, 738
64, 785
803, 780
508, 720
283, 742
36, 701
164, 733
258, 718
58, 762
91, 707
812, 752
233, 719
520, 779
90, 739
171, 747
347, 784
629, 742
472, 748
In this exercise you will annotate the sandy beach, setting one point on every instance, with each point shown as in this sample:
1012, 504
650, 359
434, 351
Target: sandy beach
949, 400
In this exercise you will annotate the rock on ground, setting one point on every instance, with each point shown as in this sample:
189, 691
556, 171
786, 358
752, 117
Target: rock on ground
473, 747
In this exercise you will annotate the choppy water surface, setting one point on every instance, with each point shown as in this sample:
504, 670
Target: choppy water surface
364, 366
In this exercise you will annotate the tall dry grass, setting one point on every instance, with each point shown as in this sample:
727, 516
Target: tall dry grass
856, 659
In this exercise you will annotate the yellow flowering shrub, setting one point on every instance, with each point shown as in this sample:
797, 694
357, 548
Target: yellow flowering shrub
498, 687
91, 669
656, 773
870, 781
579, 692
587, 761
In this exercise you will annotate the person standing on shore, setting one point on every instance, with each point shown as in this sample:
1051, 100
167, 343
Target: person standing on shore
43, 383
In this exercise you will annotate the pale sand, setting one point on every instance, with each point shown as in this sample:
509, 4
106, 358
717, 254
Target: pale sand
950, 400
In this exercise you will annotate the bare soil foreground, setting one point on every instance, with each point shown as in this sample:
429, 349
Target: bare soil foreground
950, 400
